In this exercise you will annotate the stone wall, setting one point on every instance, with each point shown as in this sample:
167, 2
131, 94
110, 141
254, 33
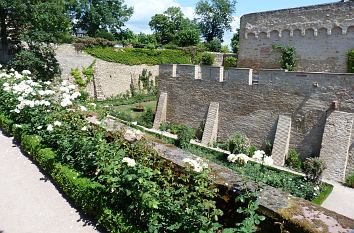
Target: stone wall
253, 110
112, 78
220, 57
321, 34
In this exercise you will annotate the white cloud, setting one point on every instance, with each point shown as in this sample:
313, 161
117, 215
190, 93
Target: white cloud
145, 9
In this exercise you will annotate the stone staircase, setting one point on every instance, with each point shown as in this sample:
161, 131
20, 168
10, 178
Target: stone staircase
161, 111
97, 89
281, 141
211, 126
335, 145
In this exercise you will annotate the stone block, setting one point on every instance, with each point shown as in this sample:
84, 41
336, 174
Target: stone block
238, 76
211, 126
335, 144
161, 111
187, 71
282, 140
212, 73
167, 70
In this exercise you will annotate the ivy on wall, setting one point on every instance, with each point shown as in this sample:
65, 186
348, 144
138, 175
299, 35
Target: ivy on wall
288, 58
351, 61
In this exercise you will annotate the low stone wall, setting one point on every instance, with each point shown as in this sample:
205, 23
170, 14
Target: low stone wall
220, 58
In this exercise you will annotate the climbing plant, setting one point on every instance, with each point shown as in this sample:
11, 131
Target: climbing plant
86, 72
288, 58
351, 61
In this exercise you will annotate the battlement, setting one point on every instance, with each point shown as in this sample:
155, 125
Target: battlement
266, 77
321, 34
338, 18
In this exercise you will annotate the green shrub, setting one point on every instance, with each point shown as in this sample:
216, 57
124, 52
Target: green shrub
225, 49
230, 62
207, 59
129, 56
84, 192
115, 222
293, 160
313, 168
237, 144
31, 143
6, 123
46, 159
38, 59
351, 61
349, 181
89, 42
288, 59
87, 72
147, 119
184, 136
18, 130
105, 35
214, 45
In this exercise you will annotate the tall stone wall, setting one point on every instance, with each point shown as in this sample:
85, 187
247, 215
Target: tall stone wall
321, 34
253, 110
112, 78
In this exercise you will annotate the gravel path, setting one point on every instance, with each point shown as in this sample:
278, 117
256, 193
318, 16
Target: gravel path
29, 203
341, 200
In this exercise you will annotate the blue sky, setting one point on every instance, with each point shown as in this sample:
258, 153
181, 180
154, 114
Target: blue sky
145, 9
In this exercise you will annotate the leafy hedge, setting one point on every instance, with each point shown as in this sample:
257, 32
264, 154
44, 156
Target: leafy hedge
89, 195
351, 61
130, 56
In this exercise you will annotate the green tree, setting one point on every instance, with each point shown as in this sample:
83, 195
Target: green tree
97, 15
214, 17
235, 41
173, 26
166, 25
189, 35
38, 23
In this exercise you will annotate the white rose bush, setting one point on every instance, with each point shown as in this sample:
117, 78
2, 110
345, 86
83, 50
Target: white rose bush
124, 184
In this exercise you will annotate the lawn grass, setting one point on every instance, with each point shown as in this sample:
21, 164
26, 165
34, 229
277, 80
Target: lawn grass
129, 109
326, 190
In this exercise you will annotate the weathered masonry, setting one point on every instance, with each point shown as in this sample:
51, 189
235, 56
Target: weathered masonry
290, 109
321, 34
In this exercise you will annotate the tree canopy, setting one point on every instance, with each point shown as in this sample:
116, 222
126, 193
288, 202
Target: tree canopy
173, 26
215, 17
105, 15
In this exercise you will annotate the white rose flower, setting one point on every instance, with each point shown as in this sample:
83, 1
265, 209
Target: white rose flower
268, 161
130, 162
75, 95
50, 127
259, 155
57, 123
83, 108
231, 158
26, 72
84, 128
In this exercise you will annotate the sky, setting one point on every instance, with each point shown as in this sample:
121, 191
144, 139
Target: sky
145, 9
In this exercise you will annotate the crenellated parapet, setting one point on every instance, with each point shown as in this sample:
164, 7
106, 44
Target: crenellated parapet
265, 78
321, 34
